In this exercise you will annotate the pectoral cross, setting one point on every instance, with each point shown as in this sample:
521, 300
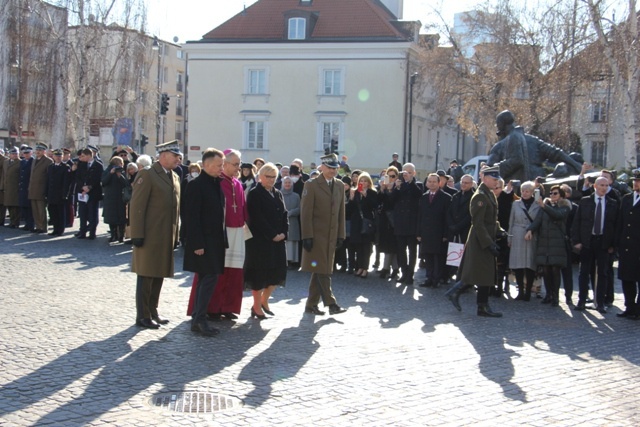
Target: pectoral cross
234, 206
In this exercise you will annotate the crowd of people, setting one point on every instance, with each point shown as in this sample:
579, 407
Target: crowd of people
243, 225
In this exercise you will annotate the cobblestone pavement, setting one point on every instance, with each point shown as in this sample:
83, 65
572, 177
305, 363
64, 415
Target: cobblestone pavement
71, 355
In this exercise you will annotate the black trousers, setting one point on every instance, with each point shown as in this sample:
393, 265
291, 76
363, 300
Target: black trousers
567, 276
435, 266
58, 216
596, 255
204, 291
147, 296
631, 296
407, 265
88, 212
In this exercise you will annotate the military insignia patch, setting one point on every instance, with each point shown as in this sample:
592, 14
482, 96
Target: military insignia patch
480, 204
139, 181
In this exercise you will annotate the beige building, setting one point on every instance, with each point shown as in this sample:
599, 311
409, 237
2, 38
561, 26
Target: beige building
291, 78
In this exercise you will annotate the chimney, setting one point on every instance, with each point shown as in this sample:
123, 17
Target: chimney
395, 6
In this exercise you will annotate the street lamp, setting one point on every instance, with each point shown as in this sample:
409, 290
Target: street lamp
412, 81
157, 46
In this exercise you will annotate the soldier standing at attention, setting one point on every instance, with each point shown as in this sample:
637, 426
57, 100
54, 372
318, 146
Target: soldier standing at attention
153, 214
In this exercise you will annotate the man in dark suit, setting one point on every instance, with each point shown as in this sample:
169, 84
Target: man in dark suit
153, 216
567, 272
89, 188
432, 231
26, 165
58, 175
629, 251
405, 198
205, 241
593, 234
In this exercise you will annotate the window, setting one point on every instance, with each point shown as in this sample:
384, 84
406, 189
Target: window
332, 82
297, 28
179, 86
179, 54
330, 131
598, 152
255, 135
179, 111
143, 123
179, 130
599, 111
257, 82
165, 75
256, 129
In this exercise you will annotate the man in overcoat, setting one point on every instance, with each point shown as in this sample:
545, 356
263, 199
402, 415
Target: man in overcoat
205, 235
88, 178
38, 188
3, 209
153, 210
593, 234
629, 250
478, 265
26, 163
323, 229
10, 181
58, 181
432, 231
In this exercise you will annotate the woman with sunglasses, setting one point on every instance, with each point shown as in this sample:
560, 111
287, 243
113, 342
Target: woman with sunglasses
387, 239
551, 252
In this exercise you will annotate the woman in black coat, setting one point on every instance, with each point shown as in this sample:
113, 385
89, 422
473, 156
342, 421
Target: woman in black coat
265, 262
362, 206
114, 208
386, 238
551, 252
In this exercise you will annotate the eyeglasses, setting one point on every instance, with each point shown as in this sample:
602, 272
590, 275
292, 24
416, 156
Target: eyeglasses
392, 176
554, 193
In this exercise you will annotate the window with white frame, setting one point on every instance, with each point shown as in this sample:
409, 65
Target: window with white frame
256, 81
179, 130
330, 131
332, 82
297, 28
255, 130
599, 111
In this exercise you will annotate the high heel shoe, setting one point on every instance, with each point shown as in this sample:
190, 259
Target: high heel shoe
266, 310
258, 316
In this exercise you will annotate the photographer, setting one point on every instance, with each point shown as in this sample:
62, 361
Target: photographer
114, 182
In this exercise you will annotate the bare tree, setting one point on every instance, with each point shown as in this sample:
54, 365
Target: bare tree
619, 46
507, 58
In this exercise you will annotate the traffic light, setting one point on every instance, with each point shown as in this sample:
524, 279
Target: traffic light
334, 146
164, 104
144, 140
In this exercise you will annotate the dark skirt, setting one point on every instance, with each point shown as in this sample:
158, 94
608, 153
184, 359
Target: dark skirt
256, 279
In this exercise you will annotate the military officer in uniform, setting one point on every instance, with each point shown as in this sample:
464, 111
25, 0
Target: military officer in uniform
478, 265
26, 164
58, 181
629, 251
323, 229
38, 187
153, 211
10, 182
3, 209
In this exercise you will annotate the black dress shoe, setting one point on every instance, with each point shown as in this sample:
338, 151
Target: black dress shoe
623, 314
546, 299
601, 309
204, 329
159, 320
92, 237
215, 317
485, 311
269, 312
229, 316
314, 310
580, 306
81, 236
336, 309
426, 284
147, 324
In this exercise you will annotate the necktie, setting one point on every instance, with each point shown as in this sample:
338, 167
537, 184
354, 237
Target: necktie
431, 197
597, 226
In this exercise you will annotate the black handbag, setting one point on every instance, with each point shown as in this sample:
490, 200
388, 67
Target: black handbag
368, 226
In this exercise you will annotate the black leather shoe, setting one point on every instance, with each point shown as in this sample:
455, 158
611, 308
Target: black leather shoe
229, 316
453, 294
546, 299
147, 324
159, 320
426, 284
81, 236
485, 311
580, 306
269, 312
601, 309
336, 309
314, 310
204, 329
623, 314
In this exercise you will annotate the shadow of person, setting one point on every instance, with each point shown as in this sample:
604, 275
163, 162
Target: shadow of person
173, 361
292, 349
66, 369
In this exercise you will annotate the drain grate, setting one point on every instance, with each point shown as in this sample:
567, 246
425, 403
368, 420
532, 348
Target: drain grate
193, 402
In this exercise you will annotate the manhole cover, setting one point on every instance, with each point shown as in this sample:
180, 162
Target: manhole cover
193, 402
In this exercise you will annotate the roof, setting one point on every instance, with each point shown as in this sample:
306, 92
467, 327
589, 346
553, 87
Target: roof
329, 20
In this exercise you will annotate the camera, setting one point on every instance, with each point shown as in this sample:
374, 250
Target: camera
540, 180
119, 169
